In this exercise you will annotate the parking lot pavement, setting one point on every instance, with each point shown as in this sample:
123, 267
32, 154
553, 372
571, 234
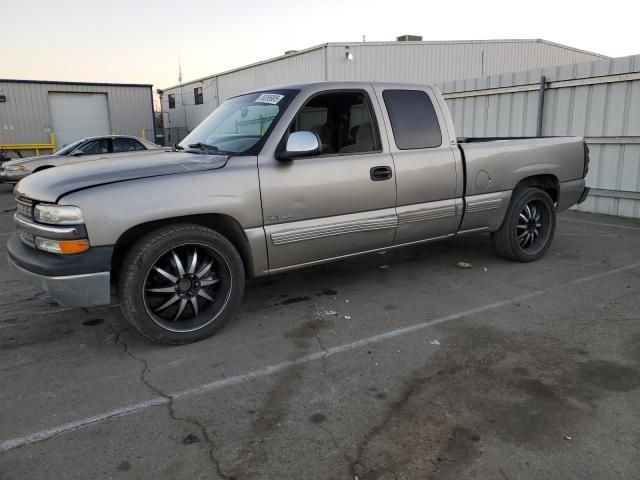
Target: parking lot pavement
395, 365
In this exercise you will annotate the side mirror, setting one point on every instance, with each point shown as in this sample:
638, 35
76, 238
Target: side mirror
76, 153
301, 144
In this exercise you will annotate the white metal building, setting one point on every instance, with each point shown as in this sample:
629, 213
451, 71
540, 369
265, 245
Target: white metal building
47, 114
188, 104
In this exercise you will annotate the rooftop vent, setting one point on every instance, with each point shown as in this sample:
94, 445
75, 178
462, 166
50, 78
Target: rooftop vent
289, 52
409, 38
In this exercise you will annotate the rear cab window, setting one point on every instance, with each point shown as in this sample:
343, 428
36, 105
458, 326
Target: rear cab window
413, 119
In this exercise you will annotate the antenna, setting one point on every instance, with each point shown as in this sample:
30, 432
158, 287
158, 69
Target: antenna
182, 93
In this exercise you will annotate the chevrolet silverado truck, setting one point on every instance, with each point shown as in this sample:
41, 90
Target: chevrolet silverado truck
280, 179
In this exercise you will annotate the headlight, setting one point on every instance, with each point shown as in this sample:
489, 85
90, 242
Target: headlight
58, 214
14, 168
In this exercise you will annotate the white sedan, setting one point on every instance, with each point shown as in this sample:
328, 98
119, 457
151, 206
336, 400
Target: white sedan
84, 150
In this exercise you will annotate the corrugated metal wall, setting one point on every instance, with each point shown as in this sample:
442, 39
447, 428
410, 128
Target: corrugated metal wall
418, 62
413, 62
308, 66
597, 100
305, 67
25, 117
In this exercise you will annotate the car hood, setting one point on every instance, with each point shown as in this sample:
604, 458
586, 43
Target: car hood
51, 184
27, 160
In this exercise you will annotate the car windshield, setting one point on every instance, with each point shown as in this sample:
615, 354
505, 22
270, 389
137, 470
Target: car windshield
69, 148
239, 124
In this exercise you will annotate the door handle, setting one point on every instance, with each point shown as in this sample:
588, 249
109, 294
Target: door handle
380, 173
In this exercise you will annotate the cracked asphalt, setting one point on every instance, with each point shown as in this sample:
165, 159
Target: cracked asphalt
386, 366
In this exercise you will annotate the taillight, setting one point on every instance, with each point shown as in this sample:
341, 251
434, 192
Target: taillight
586, 159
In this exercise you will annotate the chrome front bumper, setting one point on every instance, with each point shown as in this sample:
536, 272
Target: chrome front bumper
87, 290
12, 177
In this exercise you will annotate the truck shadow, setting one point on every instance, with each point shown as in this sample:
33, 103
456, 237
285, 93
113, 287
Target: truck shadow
381, 268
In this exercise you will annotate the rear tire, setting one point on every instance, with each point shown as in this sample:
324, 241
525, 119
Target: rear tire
181, 283
528, 226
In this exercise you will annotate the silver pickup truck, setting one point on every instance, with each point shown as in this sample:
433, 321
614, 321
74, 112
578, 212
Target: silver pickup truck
280, 179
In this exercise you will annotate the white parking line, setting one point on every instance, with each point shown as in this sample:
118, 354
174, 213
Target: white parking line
589, 222
586, 235
272, 369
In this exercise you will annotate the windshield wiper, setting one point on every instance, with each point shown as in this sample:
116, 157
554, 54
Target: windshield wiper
209, 148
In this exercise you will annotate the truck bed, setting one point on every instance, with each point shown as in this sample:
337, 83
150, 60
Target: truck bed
494, 166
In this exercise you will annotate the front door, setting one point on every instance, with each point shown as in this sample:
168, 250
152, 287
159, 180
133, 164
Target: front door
97, 149
337, 203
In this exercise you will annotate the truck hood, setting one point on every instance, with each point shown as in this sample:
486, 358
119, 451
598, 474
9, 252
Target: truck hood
51, 184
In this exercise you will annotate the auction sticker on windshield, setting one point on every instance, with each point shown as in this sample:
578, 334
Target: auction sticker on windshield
272, 98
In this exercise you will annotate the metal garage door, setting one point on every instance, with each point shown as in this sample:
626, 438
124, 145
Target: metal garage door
78, 115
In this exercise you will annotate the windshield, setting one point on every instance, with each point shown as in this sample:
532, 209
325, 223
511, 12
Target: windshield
239, 124
69, 148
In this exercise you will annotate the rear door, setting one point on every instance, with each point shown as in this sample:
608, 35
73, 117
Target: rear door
337, 203
428, 172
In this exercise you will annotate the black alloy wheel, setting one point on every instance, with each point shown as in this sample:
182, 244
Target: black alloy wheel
180, 283
528, 226
186, 287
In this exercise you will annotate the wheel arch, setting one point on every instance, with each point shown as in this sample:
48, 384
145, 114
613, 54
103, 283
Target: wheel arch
225, 225
547, 182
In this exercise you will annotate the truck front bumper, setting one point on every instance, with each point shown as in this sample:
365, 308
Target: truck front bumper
80, 280
88, 290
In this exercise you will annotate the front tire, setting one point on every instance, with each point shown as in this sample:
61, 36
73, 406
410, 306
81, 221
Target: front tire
528, 226
181, 283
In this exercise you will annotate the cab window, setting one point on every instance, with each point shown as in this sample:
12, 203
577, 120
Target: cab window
343, 121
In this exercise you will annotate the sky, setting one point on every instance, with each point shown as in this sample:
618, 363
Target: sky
140, 41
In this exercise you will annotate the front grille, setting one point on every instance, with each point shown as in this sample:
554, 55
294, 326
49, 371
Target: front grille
24, 207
